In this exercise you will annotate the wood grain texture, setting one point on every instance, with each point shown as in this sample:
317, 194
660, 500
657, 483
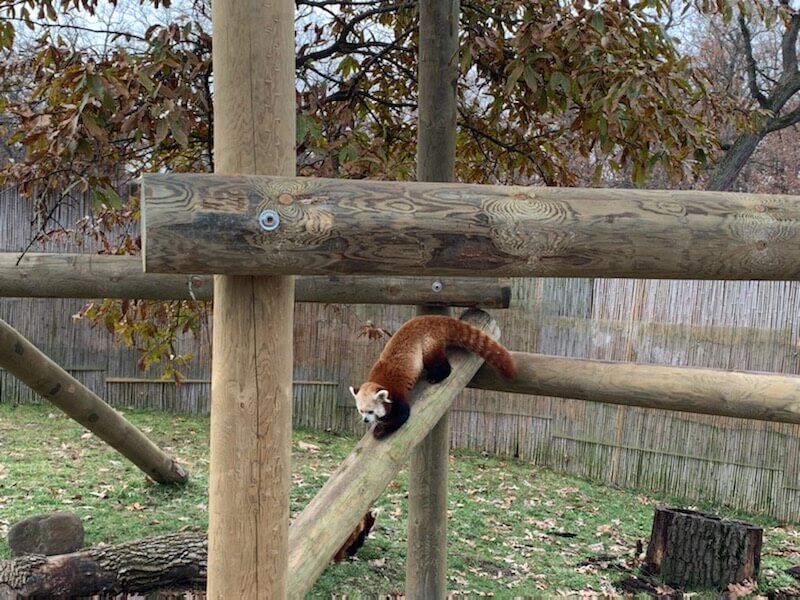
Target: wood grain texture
208, 224
428, 473
760, 396
31, 366
251, 374
250, 436
438, 72
171, 560
325, 523
43, 275
426, 558
693, 550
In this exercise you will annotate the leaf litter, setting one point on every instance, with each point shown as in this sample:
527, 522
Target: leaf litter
514, 529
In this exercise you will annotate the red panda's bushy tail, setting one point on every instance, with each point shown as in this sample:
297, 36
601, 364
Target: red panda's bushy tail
467, 336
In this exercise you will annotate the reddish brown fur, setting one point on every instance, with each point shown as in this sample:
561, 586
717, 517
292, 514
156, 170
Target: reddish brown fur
420, 343
398, 366
356, 539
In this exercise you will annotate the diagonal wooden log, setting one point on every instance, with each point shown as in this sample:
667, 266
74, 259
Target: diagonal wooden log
44, 275
325, 523
35, 369
762, 396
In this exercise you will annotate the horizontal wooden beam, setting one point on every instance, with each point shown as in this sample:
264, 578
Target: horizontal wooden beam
318, 532
41, 275
304, 226
761, 396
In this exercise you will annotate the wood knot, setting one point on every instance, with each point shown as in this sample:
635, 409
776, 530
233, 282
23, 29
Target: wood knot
286, 199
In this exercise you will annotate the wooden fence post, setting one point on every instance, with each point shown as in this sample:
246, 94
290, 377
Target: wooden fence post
251, 380
426, 559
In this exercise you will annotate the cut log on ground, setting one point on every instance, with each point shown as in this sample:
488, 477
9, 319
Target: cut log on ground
173, 560
695, 550
170, 560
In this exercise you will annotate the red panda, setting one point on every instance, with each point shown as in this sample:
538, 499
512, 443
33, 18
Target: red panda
419, 344
357, 538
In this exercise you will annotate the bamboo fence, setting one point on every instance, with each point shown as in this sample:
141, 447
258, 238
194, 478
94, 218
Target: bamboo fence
740, 325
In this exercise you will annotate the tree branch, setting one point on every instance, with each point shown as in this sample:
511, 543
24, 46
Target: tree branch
752, 80
789, 44
342, 45
783, 121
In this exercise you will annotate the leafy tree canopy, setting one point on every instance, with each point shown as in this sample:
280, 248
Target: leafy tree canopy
548, 90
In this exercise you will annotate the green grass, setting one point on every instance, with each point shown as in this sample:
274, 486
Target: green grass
514, 529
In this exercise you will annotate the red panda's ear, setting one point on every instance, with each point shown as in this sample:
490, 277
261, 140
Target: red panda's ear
383, 396
354, 391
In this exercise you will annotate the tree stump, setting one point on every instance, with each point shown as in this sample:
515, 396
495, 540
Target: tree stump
691, 549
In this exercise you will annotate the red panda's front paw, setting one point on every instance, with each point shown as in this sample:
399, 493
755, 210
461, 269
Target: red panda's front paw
380, 431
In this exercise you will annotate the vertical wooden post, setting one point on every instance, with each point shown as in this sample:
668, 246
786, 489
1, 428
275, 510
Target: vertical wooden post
251, 381
426, 562
426, 559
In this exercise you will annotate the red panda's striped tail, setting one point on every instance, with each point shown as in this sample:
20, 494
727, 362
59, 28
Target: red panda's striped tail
467, 336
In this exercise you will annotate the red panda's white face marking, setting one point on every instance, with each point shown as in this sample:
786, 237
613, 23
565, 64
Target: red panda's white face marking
371, 401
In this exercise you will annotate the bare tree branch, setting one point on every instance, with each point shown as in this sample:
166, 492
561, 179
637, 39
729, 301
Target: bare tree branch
789, 44
783, 121
341, 45
787, 86
752, 68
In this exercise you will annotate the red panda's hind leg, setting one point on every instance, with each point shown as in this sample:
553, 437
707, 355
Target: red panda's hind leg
437, 367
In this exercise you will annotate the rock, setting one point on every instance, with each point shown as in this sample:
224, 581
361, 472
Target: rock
56, 533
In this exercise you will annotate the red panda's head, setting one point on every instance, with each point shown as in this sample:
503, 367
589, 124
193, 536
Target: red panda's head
372, 401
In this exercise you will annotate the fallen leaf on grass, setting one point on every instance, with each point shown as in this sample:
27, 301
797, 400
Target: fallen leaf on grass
607, 528
737, 590
546, 524
664, 590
